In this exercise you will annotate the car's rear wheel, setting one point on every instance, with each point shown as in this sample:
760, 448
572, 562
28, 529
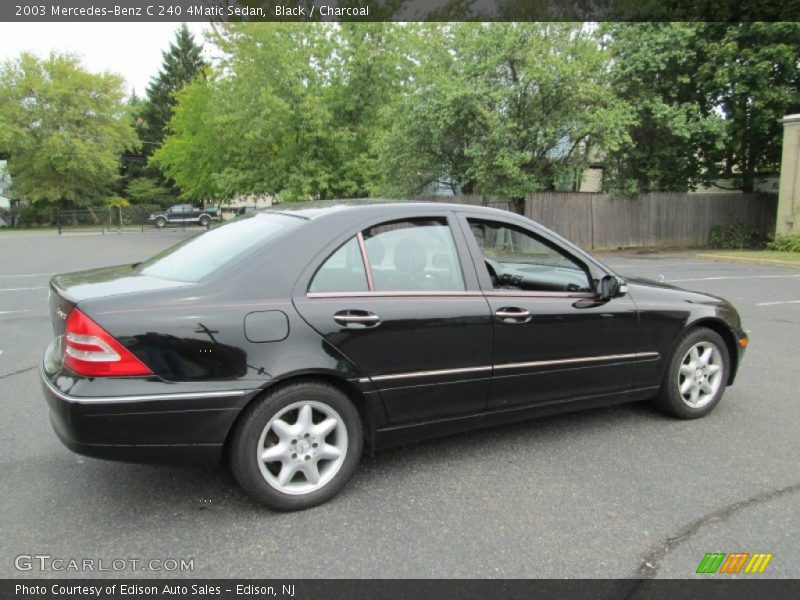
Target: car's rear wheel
161, 222
696, 375
204, 221
297, 447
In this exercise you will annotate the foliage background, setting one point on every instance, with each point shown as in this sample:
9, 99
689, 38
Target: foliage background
305, 111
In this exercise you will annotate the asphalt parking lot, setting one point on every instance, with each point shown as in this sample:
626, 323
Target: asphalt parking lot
613, 492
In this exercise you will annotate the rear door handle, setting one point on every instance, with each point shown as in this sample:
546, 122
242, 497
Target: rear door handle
356, 318
513, 314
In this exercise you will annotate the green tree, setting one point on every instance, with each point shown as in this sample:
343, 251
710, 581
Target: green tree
368, 71
239, 131
504, 109
676, 135
193, 155
708, 98
753, 73
291, 112
143, 190
62, 128
181, 63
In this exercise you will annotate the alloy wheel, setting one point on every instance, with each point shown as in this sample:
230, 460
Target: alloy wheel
700, 375
302, 447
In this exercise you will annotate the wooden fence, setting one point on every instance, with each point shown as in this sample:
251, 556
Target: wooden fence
603, 222
599, 221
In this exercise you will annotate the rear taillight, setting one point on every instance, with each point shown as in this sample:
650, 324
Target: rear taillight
91, 351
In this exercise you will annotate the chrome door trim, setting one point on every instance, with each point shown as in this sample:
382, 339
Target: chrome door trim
644, 356
407, 294
534, 294
583, 359
425, 374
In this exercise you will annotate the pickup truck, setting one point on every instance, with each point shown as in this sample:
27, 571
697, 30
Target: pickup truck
185, 213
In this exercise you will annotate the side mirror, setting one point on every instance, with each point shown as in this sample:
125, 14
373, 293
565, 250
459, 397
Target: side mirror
611, 287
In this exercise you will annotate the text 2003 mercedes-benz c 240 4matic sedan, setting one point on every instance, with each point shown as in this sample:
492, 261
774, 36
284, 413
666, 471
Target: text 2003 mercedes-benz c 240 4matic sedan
287, 341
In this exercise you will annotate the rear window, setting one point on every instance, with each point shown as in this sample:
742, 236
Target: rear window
200, 256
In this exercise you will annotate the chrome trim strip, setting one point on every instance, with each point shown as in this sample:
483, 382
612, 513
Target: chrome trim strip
524, 294
124, 399
388, 294
571, 361
424, 294
536, 363
425, 374
365, 259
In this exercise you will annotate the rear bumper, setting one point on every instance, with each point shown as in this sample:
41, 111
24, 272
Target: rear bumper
183, 427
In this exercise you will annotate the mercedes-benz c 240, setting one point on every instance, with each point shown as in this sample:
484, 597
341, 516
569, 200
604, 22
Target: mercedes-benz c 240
286, 342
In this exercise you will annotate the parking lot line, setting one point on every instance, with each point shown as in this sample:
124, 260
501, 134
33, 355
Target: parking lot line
11, 312
22, 289
29, 275
656, 264
778, 302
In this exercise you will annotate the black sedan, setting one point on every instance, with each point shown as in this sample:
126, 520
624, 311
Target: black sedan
289, 341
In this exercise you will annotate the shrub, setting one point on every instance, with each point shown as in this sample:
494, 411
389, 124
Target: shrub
33, 215
785, 243
734, 236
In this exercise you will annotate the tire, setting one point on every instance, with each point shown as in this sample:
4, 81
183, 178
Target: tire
161, 222
296, 447
691, 387
204, 221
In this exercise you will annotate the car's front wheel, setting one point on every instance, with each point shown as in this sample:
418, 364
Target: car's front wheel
161, 222
204, 221
696, 375
297, 446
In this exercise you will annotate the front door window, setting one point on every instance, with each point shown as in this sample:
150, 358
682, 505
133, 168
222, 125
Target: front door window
518, 260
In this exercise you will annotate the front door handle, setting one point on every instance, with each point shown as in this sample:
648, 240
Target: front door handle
512, 314
356, 318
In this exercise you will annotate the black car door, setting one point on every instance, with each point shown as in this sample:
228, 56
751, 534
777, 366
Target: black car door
401, 300
553, 339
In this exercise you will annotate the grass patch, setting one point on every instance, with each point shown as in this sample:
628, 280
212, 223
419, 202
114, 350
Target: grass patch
763, 256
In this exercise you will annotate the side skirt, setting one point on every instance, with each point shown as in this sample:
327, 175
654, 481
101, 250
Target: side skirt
390, 437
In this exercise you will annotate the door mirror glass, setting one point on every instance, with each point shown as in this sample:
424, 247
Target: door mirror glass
609, 287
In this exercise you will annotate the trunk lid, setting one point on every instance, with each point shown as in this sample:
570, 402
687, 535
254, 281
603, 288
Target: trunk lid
70, 289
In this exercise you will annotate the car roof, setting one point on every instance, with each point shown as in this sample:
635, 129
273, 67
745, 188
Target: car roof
315, 210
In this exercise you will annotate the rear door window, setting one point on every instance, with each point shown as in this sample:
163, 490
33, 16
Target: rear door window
343, 271
413, 255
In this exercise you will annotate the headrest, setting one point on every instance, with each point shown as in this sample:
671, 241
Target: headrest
410, 256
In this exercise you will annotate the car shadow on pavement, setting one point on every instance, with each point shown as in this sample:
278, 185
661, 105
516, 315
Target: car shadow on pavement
210, 489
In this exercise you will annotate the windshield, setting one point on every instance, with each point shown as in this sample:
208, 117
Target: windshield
200, 256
